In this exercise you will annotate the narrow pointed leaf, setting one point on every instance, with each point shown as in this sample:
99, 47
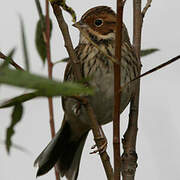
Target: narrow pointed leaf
19, 99
11, 53
24, 45
46, 86
146, 52
16, 117
61, 61
39, 9
40, 38
8, 58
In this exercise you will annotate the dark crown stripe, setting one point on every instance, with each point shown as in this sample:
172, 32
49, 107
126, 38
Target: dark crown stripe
97, 10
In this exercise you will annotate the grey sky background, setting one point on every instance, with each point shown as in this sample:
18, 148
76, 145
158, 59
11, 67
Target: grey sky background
159, 135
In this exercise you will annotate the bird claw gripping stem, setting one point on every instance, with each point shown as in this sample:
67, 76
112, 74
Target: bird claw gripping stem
103, 146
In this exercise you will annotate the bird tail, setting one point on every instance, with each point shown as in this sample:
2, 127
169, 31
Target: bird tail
64, 152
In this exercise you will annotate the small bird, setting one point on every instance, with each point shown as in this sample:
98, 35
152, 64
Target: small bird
65, 149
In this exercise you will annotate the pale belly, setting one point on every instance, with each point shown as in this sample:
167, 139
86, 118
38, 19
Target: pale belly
102, 102
103, 99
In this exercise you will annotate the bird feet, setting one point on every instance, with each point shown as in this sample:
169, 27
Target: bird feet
101, 149
103, 146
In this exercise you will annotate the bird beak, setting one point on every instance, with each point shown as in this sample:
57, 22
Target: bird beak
80, 25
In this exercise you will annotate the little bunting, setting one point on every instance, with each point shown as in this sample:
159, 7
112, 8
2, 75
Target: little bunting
65, 149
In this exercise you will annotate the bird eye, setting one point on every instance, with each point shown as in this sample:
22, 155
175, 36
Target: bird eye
98, 22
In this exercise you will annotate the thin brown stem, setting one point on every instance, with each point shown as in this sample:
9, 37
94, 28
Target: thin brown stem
174, 59
97, 133
68, 44
154, 69
11, 61
137, 26
117, 92
129, 157
50, 69
76, 68
147, 6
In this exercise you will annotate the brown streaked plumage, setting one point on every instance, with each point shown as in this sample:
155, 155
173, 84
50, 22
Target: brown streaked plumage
65, 149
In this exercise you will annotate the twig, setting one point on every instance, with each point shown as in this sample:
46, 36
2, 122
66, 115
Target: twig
10, 60
117, 92
129, 157
76, 68
154, 69
137, 27
68, 44
97, 133
147, 6
50, 68
151, 71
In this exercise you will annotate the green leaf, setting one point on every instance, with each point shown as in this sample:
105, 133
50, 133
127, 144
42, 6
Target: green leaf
8, 59
24, 45
19, 99
16, 117
40, 38
11, 53
61, 61
46, 86
29, 96
39, 9
146, 52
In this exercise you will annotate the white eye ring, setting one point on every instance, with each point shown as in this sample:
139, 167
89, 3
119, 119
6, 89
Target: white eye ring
98, 22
